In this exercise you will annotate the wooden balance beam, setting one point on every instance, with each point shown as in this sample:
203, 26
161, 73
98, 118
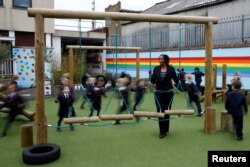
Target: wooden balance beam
28, 114
216, 94
217, 91
179, 112
80, 120
149, 114
117, 117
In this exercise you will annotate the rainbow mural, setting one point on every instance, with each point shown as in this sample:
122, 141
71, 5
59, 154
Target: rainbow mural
236, 59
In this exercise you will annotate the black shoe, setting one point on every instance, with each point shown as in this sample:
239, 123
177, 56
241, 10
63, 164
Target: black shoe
239, 138
117, 123
162, 135
3, 135
58, 130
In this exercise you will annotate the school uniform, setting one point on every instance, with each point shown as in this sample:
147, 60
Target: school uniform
15, 103
181, 86
87, 94
164, 94
198, 79
193, 94
235, 103
139, 91
65, 107
96, 92
123, 91
124, 100
72, 93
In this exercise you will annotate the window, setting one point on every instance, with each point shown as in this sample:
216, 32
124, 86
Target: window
22, 3
1, 2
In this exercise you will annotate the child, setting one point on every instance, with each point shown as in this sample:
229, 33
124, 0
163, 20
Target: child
181, 77
65, 100
139, 91
193, 93
123, 90
88, 85
65, 82
97, 91
15, 103
15, 80
198, 78
234, 105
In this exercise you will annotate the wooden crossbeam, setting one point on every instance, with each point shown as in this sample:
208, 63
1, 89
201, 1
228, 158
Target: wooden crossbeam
55, 13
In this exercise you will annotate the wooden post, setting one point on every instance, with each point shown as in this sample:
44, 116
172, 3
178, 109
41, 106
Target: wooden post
210, 120
214, 82
40, 113
71, 67
137, 64
208, 64
248, 97
214, 76
46, 129
224, 76
26, 135
225, 121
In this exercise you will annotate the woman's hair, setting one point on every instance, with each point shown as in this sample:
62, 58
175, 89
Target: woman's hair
165, 58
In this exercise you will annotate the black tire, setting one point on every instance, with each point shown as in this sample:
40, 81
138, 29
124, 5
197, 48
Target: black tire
41, 154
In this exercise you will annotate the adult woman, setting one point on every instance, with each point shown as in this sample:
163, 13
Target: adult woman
162, 78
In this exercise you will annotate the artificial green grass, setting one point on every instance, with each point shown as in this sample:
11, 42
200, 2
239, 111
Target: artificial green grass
129, 144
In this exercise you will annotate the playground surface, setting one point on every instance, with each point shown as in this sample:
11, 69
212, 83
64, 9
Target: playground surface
134, 144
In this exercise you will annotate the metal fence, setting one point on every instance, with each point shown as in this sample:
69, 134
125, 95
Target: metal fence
6, 68
232, 30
